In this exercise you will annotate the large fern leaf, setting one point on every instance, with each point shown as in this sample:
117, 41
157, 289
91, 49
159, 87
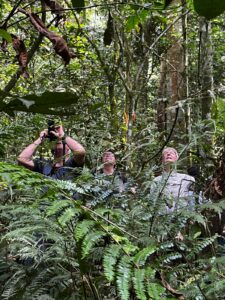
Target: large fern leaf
68, 215
124, 277
83, 228
57, 206
90, 240
109, 261
141, 256
203, 244
155, 291
138, 280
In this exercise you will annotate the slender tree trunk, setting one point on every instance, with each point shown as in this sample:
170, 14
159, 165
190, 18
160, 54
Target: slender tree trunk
172, 84
206, 68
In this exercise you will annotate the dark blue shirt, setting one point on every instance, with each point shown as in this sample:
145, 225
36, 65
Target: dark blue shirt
69, 171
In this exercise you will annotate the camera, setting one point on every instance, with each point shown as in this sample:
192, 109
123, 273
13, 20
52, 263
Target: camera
51, 127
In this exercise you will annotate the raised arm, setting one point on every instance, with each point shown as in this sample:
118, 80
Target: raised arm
25, 158
77, 149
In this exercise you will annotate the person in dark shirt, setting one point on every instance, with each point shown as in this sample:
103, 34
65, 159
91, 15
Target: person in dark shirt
109, 171
63, 165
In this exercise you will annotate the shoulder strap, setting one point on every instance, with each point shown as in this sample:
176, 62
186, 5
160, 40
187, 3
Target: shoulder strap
64, 151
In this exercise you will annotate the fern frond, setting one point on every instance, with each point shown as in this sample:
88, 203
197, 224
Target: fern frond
138, 280
123, 279
13, 285
68, 215
155, 291
141, 256
171, 257
83, 228
166, 245
194, 216
90, 240
109, 261
57, 206
203, 244
149, 273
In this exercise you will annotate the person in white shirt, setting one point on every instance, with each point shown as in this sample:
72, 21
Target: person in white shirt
176, 188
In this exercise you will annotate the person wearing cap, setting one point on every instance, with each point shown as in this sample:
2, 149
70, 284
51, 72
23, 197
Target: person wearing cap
63, 164
177, 188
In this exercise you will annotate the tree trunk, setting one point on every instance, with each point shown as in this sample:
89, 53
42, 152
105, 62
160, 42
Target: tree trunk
206, 68
172, 87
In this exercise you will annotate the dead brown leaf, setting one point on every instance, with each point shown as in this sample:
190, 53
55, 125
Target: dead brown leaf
60, 45
21, 53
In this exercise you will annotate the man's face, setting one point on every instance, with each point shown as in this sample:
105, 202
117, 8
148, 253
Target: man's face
108, 158
169, 155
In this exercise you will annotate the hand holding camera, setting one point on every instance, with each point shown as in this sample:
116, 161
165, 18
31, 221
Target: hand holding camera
55, 131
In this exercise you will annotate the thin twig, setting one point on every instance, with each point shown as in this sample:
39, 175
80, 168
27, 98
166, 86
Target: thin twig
11, 14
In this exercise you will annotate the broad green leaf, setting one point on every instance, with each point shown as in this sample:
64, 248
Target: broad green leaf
78, 5
133, 21
5, 35
46, 103
196, 235
209, 8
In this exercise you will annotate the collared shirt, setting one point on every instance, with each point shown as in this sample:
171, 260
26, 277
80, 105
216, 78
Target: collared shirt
176, 189
176, 184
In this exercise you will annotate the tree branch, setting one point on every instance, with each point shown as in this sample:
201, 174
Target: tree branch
10, 85
11, 14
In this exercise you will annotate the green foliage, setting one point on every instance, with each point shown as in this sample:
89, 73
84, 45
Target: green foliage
78, 5
141, 256
134, 20
209, 8
155, 291
90, 240
218, 114
68, 215
110, 260
46, 103
139, 276
5, 35
83, 228
124, 277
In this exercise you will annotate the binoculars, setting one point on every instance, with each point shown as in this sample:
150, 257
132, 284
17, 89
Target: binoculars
51, 127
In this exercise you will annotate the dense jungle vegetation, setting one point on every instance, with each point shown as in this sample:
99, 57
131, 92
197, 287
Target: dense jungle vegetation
133, 77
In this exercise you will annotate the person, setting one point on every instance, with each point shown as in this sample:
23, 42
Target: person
108, 170
63, 165
177, 188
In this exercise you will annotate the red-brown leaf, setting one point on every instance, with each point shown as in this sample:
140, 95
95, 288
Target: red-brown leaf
58, 42
21, 53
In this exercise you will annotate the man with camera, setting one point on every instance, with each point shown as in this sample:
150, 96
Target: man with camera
63, 164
